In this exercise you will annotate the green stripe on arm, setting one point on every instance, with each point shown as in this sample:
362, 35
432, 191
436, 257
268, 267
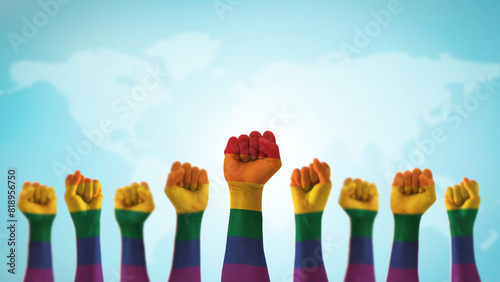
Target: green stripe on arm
188, 226
40, 226
131, 223
308, 226
87, 223
245, 223
462, 222
361, 222
406, 227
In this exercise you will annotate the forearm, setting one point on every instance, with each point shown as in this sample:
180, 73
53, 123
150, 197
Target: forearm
244, 259
360, 267
39, 249
462, 245
404, 257
186, 262
133, 259
309, 264
88, 246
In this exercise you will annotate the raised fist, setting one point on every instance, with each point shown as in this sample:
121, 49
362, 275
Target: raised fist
135, 197
359, 195
37, 199
251, 159
311, 187
463, 196
82, 194
413, 192
187, 188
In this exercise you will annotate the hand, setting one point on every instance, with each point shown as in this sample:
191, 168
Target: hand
359, 195
253, 159
135, 197
187, 188
37, 199
311, 187
413, 193
463, 196
82, 194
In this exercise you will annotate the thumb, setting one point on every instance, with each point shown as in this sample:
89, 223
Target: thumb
429, 186
471, 187
26, 194
323, 171
175, 177
268, 146
346, 192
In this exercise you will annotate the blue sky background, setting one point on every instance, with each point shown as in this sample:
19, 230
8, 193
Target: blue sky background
430, 70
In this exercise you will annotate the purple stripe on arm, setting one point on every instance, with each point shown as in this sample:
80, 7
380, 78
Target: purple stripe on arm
464, 272
190, 274
88, 251
39, 255
316, 274
89, 273
406, 275
133, 273
244, 273
361, 250
39, 275
133, 252
360, 272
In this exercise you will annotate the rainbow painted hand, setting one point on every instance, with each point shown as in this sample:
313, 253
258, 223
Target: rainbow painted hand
37, 199
311, 187
134, 198
413, 192
463, 196
82, 194
187, 188
358, 195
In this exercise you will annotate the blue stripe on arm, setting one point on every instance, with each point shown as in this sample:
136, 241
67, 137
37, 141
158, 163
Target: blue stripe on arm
361, 250
404, 255
242, 250
40, 255
462, 250
133, 252
186, 254
308, 254
88, 251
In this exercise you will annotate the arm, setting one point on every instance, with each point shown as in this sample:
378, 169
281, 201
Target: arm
187, 189
311, 187
412, 194
84, 198
133, 205
360, 202
462, 203
250, 161
39, 204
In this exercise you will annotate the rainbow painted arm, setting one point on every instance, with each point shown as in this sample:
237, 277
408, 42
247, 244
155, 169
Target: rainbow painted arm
39, 204
360, 202
311, 188
84, 199
187, 189
412, 194
250, 161
133, 205
462, 203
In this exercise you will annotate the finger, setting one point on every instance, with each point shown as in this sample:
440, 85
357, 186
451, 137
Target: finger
43, 195
457, 195
365, 189
26, 185
89, 192
119, 198
408, 182
296, 181
96, 189
51, 195
472, 187
372, 191
323, 171
463, 191
203, 178
233, 148
243, 144
27, 195
305, 180
313, 175
80, 190
176, 166
36, 196
359, 188
187, 175
268, 147
145, 196
428, 173
128, 196
72, 181
347, 192
195, 173
416, 180
253, 147
347, 181
134, 198
175, 178
399, 182
448, 196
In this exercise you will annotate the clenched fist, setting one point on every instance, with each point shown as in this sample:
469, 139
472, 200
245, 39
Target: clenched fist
251, 159
187, 188
135, 197
463, 196
413, 192
82, 194
359, 195
311, 187
37, 199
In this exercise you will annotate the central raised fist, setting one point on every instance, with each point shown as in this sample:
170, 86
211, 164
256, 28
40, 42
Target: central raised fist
253, 158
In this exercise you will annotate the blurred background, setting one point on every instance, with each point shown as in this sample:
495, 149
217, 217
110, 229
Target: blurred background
122, 90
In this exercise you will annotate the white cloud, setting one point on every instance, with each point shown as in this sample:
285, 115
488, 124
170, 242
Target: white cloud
185, 53
490, 241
